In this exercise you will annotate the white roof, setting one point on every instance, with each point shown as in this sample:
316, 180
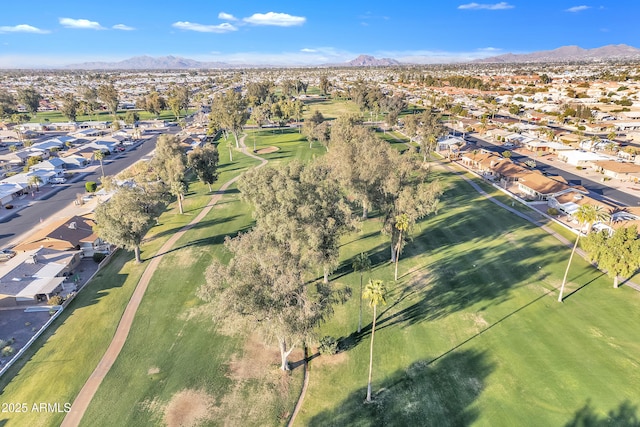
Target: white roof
40, 286
583, 155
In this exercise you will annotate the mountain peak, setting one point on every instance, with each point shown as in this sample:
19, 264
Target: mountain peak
370, 61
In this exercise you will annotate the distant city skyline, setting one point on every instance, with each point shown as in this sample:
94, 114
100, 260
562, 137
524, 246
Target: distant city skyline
41, 34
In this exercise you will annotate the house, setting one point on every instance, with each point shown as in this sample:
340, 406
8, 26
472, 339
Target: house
580, 158
508, 171
36, 275
104, 145
72, 160
72, 234
623, 171
539, 187
481, 161
450, 143
8, 191
54, 164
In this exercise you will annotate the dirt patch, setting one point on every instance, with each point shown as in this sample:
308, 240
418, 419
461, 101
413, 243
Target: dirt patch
153, 370
255, 360
188, 408
268, 150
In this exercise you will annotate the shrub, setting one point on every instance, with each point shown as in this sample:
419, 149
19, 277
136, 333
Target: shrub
552, 211
55, 300
579, 168
90, 186
328, 345
8, 206
98, 257
7, 351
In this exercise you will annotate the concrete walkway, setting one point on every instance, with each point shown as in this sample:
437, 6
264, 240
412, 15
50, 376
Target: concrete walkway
82, 401
526, 217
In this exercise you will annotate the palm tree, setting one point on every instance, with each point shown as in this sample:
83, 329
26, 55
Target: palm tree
361, 263
99, 155
375, 292
402, 225
35, 180
586, 215
612, 135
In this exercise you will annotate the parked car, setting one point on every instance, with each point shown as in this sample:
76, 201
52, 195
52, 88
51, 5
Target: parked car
6, 254
58, 180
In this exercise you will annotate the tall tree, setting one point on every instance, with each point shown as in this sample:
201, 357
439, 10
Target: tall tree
179, 96
153, 103
586, 215
169, 162
70, 106
30, 98
324, 84
35, 180
402, 225
263, 285
127, 216
618, 254
204, 162
108, 94
90, 97
375, 292
99, 156
303, 207
361, 263
229, 113
7, 104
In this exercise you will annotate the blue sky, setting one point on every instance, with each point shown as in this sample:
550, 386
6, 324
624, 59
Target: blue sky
36, 33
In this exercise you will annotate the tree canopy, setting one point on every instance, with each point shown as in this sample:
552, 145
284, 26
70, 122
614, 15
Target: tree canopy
264, 285
127, 216
618, 254
302, 207
204, 161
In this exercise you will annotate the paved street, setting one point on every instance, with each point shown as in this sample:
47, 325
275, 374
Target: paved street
613, 191
48, 204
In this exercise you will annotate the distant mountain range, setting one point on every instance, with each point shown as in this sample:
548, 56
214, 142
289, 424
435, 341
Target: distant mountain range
151, 63
178, 63
569, 53
561, 54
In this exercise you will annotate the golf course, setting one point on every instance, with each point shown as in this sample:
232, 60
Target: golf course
471, 332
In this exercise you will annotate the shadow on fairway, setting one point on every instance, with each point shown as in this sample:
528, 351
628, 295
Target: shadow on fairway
201, 224
625, 415
439, 394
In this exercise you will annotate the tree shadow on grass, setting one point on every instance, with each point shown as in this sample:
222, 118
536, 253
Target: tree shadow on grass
625, 415
199, 225
426, 393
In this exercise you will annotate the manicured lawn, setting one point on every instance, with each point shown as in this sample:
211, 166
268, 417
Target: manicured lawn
58, 364
331, 109
472, 332
57, 116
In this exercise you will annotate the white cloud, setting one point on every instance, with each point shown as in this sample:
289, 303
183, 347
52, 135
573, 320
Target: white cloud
497, 6
226, 16
84, 24
274, 18
578, 8
201, 28
22, 28
123, 27
307, 50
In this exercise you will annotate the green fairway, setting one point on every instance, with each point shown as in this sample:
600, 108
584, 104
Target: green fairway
473, 334
331, 109
78, 339
57, 116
